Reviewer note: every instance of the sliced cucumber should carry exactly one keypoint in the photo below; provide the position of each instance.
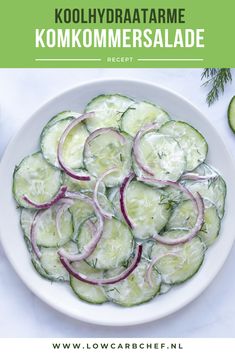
(80, 211)
(112, 193)
(61, 116)
(26, 219)
(140, 114)
(134, 289)
(47, 234)
(144, 207)
(82, 185)
(105, 152)
(206, 170)
(108, 110)
(213, 189)
(184, 216)
(185, 261)
(114, 248)
(38, 267)
(87, 292)
(191, 141)
(50, 261)
(37, 179)
(231, 114)
(211, 227)
(162, 155)
(73, 146)
(105, 203)
(49, 265)
(147, 248)
(165, 288)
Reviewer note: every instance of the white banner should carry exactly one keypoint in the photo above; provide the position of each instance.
(137, 345)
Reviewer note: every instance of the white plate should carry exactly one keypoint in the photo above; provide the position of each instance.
(60, 296)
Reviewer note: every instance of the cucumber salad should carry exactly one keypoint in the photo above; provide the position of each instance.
(118, 202)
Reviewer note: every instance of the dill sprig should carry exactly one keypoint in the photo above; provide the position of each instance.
(216, 79)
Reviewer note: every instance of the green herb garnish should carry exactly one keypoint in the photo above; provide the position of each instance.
(216, 79)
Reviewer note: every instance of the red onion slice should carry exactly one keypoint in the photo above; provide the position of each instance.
(33, 234)
(153, 262)
(72, 125)
(43, 206)
(198, 202)
(101, 131)
(90, 247)
(95, 195)
(194, 176)
(104, 281)
(123, 189)
(136, 145)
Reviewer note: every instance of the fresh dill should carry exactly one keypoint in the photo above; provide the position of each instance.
(216, 79)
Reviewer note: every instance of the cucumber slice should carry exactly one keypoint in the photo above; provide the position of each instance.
(87, 292)
(106, 204)
(49, 265)
(38, 267)
(114, 248)
(80, 211)
(164, 288)
(213, 189)
(211, 227)
(144, 207)
(162, 155)
(26, 219)
(61, 116)
(191, 141)
(177, 269)
(112, 193)
(184, 216)
(134, 289)
(105, 152)
(35, 178)
(231, 114)
(108, 110)
(47, 234)
(206, 169)
(82, 185)
(50, 261)
(140, 114)
(147, 249)
(73, 146)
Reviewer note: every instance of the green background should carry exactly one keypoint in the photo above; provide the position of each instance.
(19, 19)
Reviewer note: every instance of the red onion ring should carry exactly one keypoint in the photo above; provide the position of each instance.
(101, 131)
(194, 176)
(198, 202)
(72, 125)
(136, 143)
(105, 281)
(95, 195)
(33, 234)
(43, 206)
(122, 201)
(90, 247)
(153, 262)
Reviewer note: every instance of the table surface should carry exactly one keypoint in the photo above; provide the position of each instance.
(22, 91)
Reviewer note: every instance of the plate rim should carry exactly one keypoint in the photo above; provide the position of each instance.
(63, 309)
